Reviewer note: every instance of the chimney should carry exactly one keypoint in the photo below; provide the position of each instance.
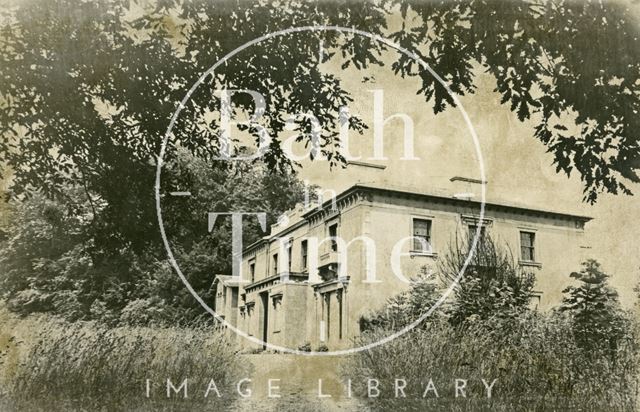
(466, 188)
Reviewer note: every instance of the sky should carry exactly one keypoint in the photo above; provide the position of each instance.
(517, 167)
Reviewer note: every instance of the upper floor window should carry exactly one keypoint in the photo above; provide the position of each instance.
(422, 235)
(303, 254)
(527, 246)
(274, 264)
(333, 234)
(473, 229)
(252, 270)
(289, 257)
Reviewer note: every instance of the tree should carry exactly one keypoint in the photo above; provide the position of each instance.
(50, 263)
(64, 59)
(571, 67)
(598, 320)
(44, 268)
(88, 93)
(88, 88)
(215, 187)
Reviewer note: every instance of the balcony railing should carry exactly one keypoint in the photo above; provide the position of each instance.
(275, 279)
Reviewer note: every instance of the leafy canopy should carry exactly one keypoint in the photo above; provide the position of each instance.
(594, 307)
(88, 87)
(52, 263)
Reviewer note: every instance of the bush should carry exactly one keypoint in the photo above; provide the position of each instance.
(305, 347)
(404, 308)
(537, 363)
(585, 356)
(83, 366)
(493, 284)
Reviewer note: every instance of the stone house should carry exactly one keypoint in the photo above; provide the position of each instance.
(299, 286)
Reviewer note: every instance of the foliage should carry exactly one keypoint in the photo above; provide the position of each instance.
(595, 310)
(571, 67)
(51, 262)
(404, 308)
(583, 356)
(305, 347)
(218, 187)
(534, 357)
(88, 90)
(322, 348)
(88, 87)
(44, 260)
(49, 364)
(493, 283)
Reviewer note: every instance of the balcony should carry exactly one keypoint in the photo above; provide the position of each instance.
(274, 280)
(328, 266)
(328, 258)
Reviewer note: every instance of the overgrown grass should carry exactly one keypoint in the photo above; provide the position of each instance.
(48, 364)
(534, 357)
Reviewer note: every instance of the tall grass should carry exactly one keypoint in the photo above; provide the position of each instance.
(53, 365)
(534, 358)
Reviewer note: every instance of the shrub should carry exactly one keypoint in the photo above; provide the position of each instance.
(493, 284)
(306, 347)
(404, 308)
(585, 356)
(322, 348)
(537, 363)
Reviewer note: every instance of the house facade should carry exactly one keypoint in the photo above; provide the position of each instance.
(321, 269)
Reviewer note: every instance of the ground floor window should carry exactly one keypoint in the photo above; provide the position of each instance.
(327, 322)
(340, 312)
(277, 312)
(250, 308)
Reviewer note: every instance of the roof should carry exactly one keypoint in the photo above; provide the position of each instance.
(441, 197)
(226, 280)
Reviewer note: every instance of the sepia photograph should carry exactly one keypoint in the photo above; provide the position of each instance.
(319, 205)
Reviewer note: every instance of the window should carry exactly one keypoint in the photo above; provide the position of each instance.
(303, 254)
(472, 233)
(250, 308)
(252, 270)
(421, 235)
(527, 246)
(274, 264)
(333, 233)
(277, 303)
(289, 257)
(340, 297)
(327, 300)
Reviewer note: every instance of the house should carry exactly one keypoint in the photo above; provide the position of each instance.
(301, 285)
